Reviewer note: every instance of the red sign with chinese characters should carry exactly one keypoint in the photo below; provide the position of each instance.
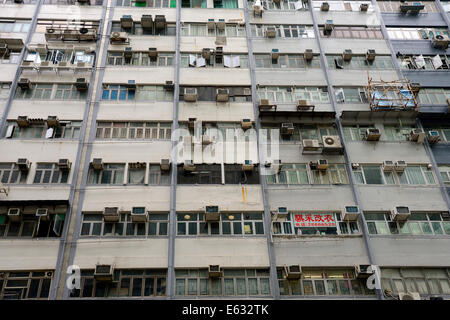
(314, 220)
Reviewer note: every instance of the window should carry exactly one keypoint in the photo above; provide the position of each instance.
(65, 130)
(229, 224)
(291, 95)
(117, 92)
(112, 173)
(134, 130)
(94, 225)
(50, 173)
(351, 95)
(193, 60)
(319, 282)
(302, 174)
(343, 5)
(423, 281)
(415, 33)
(284, 31)
(51, 92)
(226, 4)
(16, 26)
(359, 62)
(126, 283)
(236, 94)
(394, 6)
(321, 224)
(353, 32)
(445, 173)
(292, 61)
(31, 226)
(23, 285)
(356, 132)
(10, 173)
(235, 282)
(433, 96)
(137, 29)
(398, 133)
(147, 3)
(142, 93)
(413, 174)
(417, 224)
(4, 90)
(201, 30)
(437, 62)
(193, 4)
(203, 174)
(282, 5)
(140, 59)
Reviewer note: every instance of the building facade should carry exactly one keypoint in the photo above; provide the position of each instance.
(165, 149)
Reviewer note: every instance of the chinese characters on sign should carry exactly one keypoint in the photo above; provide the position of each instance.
(314, 220)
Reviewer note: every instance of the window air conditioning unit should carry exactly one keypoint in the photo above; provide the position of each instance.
(104, 272)
(414, 7)
(188, 165)
(246, 124)
(325, 6)
(126, 21)
(190, 94)
(409, 296)
(274, 164)
(400, 165)
(400, 214)
(351, 213)
(308, 54)
(322, 164)
(3, 48)
(388, 165)
(153, 52)
(417, 135)
(247, 165)
(364, 6)
(206, 53)
(211, 24)
(274, 54)
(222, 95)
(355, 165)
(214, 271)
(81, 84)
(271, 32)
(128, 54)
(23, 164)
(310, 145)
(64, 164)
(14, 214)
(221, 24)
(24, 84)
(52, 121)
(111, 214)
(97, 163)
(169, 86)
(22, 121)
(287, 128)
(331, 144)
(441, 41)
(264, 104)
(281, 214)
(139, 214)
(433, 136)
(118, 37)
(370, 55)
(293, 272)
(212, 213)
(347, 55)
(42, 213)
(329, 25)
(372, 134)
(160, 22)
(257, 8)
(165, 164)
(363, 271)
(147, 21)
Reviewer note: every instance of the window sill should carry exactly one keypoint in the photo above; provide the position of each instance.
(331, 236)
(410, 236)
